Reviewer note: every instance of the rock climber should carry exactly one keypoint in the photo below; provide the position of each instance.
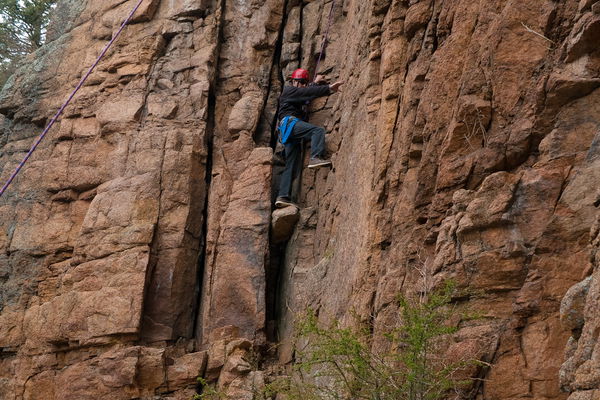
(293, 127)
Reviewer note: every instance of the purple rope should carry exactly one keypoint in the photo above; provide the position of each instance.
(62, 109)
(325, 38)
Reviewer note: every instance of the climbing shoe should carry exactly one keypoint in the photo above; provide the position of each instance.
(316, 162)
(283, 202)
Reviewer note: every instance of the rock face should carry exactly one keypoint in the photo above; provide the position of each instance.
(283, 223)
(462, 149)
(137, 250)
(107, 241)
(579, 373)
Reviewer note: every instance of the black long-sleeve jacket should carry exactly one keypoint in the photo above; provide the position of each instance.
(293, 100)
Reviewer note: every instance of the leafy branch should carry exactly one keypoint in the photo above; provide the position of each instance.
(340, 363)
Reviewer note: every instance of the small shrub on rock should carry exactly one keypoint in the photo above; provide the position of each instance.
(338, 363)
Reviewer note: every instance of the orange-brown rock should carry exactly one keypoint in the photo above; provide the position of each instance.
(461, 147)
(136, 249)
(283, 223)
(579, 313)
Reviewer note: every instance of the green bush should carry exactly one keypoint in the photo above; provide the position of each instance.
(339, 362)
(209, 392)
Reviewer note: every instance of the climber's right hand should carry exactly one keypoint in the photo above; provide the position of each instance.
(334, 87)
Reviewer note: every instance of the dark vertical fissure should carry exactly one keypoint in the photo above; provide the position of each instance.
(275, 258)
(201, 264)
(210, 134)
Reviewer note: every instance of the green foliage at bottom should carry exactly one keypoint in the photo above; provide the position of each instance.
(338, 363)
(209, 392)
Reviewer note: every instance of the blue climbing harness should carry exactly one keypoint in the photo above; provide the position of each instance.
(286, 127)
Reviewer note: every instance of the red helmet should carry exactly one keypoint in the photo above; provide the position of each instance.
(301, 74)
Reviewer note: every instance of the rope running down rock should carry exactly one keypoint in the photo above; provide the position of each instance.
(62, 109)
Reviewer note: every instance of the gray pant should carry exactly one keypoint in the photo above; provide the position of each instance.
(302, 130)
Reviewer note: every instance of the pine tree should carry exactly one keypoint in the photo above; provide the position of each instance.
(22, 30)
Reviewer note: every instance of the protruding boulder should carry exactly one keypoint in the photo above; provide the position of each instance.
(564, 87)
(573, 305)
(585, 37)
(186, 369)
(184, 8)
(146, 11)
(245, 113)
(283, 222)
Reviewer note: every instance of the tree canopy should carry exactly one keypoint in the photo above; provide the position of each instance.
(22, 30)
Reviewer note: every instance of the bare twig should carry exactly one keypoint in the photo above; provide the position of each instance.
(528, 29)
(483, 130)
(475, 129)
(423, 270)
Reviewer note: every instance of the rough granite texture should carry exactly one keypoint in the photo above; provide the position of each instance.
(136, 247)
